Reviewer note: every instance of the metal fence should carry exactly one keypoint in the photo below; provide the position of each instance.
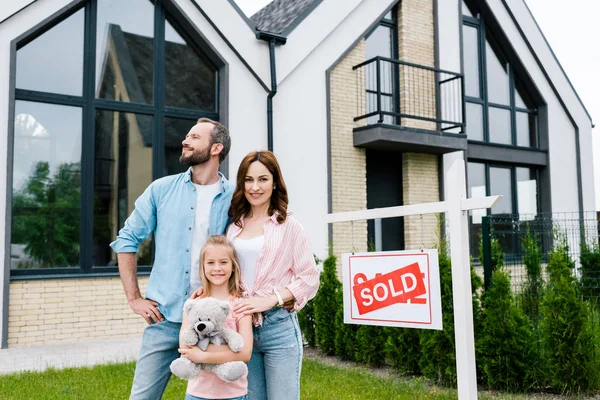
(578, 231)
(396, 92)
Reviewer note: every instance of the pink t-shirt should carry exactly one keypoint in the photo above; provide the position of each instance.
(207, 384)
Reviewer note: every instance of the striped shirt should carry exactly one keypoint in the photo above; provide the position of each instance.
(285, 261)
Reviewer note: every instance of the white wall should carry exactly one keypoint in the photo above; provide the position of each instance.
(300, 107)
(562, 155)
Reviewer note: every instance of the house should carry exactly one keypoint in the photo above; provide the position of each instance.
(366, 103)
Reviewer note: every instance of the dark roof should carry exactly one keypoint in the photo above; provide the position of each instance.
(281, 16)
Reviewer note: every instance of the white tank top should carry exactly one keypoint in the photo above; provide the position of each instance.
(248, 251)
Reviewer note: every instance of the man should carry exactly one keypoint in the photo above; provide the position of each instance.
(181, 211)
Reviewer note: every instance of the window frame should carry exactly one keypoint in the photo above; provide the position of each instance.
(483, 36)
(164, 11)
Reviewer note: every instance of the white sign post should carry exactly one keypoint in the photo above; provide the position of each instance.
(456, 206)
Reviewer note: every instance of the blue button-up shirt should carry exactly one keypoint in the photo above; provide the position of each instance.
(167, 209)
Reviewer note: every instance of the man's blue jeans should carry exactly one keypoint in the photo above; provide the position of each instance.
(274, 368)
(159, 348)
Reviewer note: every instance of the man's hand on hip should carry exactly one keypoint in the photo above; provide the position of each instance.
(148, 309)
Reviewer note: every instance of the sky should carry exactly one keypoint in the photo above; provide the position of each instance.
(573, 31)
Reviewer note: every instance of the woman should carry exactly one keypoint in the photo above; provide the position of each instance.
(277, 268)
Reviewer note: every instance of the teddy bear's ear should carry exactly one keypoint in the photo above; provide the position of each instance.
(187, 307)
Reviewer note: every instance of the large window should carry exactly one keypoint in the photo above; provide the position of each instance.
(498, 107)
(382, 42)
(519, 189)
(104, 95)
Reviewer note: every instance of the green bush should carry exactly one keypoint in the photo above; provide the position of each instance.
(506, 344)
(566, 333)
(532, 290)
(306, 319)
(370, 343)
(403, 349)
(345, 334)
(326, 306)
(438, 360)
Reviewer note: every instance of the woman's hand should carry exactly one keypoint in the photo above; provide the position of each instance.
(197, 293)
(255, 305)
(194, 354)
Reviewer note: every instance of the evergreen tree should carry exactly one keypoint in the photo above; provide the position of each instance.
(345, 334)
(566, 333)
(403, 349)
(506, 343)
(326, 306)
(370, 345)
(532, 292)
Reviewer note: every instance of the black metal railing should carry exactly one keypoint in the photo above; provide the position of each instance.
(402, 93)
(576, 230)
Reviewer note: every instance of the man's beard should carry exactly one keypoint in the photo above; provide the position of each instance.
(196, 158)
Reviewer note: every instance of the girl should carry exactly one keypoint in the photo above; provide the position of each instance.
(278, 268)
(221, 278)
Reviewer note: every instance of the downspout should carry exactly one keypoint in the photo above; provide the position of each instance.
(273, 39)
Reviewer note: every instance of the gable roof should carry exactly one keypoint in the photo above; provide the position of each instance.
(282, 16)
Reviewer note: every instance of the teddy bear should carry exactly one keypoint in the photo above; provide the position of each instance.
(207, 318)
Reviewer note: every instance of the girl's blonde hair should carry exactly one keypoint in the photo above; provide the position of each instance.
(235, 280)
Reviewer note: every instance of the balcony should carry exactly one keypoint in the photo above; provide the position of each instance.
(408, 107)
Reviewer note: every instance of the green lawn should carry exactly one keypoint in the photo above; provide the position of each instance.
(319, 381)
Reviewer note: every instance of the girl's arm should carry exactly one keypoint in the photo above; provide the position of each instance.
(222, 354)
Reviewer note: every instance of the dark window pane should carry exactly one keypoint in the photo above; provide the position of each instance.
(191, 79)
(497, 75)
(175, 131)
(123, 170)
(46, 186)
(526, 129)
(379, 43)
(526, 193)
(474, 121)
(125, 50)
(500, 183)
(53, 62)
(471, 59)
(499, 125)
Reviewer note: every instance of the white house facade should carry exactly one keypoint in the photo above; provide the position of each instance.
(364, 102)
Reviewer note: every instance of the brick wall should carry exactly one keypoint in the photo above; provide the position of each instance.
(416, 45)
(420, 184)
(70, 310)
(348, 163)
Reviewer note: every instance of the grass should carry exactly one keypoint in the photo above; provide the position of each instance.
(319, 381)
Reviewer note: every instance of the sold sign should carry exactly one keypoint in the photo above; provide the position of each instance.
(392, 288)
(398, 286)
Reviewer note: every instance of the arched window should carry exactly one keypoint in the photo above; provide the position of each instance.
(104, 95)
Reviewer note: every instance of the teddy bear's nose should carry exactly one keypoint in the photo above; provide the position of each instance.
(201, 327)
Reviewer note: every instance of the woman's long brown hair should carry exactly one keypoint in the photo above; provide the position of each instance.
(240, 206)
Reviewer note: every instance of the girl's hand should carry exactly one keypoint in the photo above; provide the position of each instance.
(194, 354)
(255, 305)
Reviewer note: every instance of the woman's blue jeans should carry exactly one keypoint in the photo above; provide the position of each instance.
(276, 362)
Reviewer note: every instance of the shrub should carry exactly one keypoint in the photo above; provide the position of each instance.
(370, 342)
(566, 334)
(506, 343)
(403, 349)
(345, 334)
(532, 290)
(438, 360)
(306, 319)
(326, 306)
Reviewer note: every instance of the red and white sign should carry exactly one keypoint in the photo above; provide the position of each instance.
(392, 288)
